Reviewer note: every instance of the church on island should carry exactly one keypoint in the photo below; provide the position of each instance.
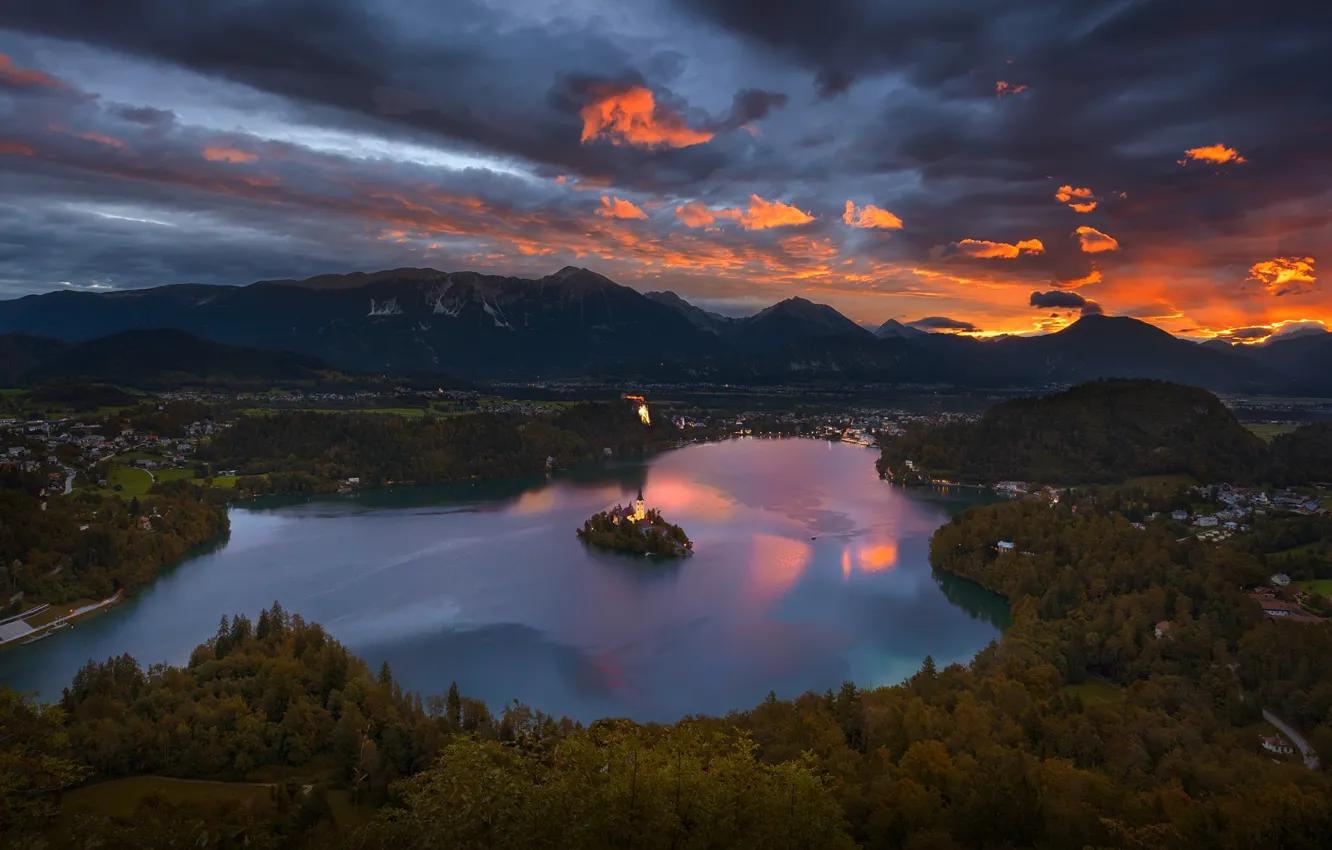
(620, 514)
(635, 529)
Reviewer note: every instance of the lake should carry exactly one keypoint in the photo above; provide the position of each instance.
(808, 571)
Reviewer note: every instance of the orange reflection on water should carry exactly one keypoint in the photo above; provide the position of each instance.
(676, 496)
(878, 557)
(777, 562)
(534, 502)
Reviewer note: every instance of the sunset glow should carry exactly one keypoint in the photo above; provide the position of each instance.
(228, 155)
(1213, 153)
(735, 159)
(633, 117)
(1285, 275)
(870, 216)
(1094, 241)
(988, 250)
(619, 208)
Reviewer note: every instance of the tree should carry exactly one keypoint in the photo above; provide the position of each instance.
(453, 704)
(34, 764)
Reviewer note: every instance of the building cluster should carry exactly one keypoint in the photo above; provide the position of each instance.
(1283, 603)
(59, 448)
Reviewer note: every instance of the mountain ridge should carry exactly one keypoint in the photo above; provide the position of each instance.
(578, 323)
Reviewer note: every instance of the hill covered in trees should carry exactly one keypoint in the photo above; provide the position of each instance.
(1011, 751)
(88, 546)
(1098, 432)
(303, 451)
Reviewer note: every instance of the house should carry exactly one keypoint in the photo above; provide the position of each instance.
(1179, 515)
(1205, 522)
(1279, 745)
(1163, 629)
(1006, 547)
(1280, 579)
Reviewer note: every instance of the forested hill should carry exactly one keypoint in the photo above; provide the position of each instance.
(1098, 432)
(303, 451)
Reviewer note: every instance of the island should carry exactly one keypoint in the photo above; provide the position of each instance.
(637, 530)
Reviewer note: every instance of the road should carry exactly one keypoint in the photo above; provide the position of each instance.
(1310, 758)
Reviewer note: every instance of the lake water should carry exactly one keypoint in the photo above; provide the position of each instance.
(808, 571)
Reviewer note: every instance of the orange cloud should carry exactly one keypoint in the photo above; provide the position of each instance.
(1085, 203)
(103, 140)
(1094, 241)
(619, 208)
(1093, 277)
(228, 155)
(694, 214)
(16, 76)
(1002, 89)
(764, 214)
(870, 216)
(1212, 153)
(633, 117)
(1285, 275)
(15, 149)
(984, 250)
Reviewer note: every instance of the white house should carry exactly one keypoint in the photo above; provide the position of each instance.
(1280, 579)
(1205, 521)
(1006, 547)
(1279, 745)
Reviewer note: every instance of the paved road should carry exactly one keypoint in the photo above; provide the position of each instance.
(1310, 758)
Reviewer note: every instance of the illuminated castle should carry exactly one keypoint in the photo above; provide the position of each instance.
(639, 510)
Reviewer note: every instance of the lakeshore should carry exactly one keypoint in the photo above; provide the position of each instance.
(394, 573)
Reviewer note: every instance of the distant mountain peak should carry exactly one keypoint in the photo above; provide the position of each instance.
(700, 318)
(893, 329)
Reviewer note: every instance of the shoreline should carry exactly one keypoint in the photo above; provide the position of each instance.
(36, 633)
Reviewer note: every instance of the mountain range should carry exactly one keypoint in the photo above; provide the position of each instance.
(576, 323)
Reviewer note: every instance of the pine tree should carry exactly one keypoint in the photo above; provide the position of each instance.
(385, 674)
(453, 704)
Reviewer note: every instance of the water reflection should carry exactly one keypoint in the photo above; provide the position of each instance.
(809, 571)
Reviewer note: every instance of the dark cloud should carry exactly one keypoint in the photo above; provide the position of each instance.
(1058, 299)
(1091, 308)
(145, 115)
(114, 104)
(749, 106)
(832, 81)
(942, 323)
(1248, 334)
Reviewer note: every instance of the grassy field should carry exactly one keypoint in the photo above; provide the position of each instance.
(132, 480)
(1318, 587)
(1268, 430)
(1162, 483)
(1095, 691)
(120, 797)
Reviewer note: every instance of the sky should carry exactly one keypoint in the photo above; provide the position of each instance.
(978, 166)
